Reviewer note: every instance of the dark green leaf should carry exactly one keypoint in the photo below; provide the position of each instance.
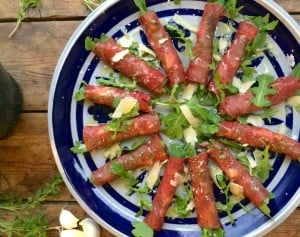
(181, 150)
(141, 4)
(213, 232)
(262, 90)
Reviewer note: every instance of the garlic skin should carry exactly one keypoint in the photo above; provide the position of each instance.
(90, 228)
(72, 233)
(67, 220)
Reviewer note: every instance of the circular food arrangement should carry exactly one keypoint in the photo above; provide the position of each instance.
(180, 118)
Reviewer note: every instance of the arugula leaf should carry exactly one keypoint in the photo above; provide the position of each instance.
(121, 124)
(143, 203)
(263, 167)
(296, 71)
(141, 229)
(181, 150)
(24, 5)
(177, 2)
(175, 32)
(213, 232)
(119, 169)
(120, 81)
(182, 200)
(79, 95)
(89, 42)
(263, 22)
(78, 148)
(262, 90)
(141, 4)
(264, 207)
(174, 123)
(230, 7)
(92, 4)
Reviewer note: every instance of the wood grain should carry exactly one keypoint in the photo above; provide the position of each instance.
(32, 56)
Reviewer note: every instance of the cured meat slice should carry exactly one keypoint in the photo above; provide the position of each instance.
(237, 173)
(207, 214)
(106, 95)
(232, 59)
(97, 137)
(198, 70)
(164, 194)
(145, 155)
(163, 47)
(131, 66)
(260, 138)
(240, 104)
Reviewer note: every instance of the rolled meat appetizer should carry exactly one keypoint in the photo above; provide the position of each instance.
(131, 66)
(164, 194)
(240, 104)
(163, 47)
(97, 137)
(106, 95)
(234, 56)
(237, 173)
(145, 155)
(260, 138)
(207, 214)
(198, 70)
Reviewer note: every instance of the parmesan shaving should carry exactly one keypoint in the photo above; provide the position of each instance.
(178, 179)
(187, 113)
(242, 87)
(154, 174)
(190, 135)
(125, 106)
(189, 91)
(236, 189)
(186, 24)
(120, 55)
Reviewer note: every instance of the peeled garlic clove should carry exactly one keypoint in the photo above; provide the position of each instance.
(90, 228)
(68, 220)
(72, 233)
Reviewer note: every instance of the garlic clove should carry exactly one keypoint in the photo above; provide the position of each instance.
(72, 233)
(90, 228)
(68, 220)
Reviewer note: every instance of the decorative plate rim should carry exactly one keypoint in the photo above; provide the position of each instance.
(269, 5)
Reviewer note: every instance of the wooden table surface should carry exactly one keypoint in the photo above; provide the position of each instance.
(31, 56)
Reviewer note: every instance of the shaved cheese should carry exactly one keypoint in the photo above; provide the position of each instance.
(255, 120)
(178, 179)
(125, 41)
(294, 101)
(161, 41)
(143, 49)
(223, 44)
(186, 24)
(125, 106)
(190, 206)
(154, 174)
(120, 55)
(236, 189)
(189, 91)
(242, 87)
(187, 113)
(214, 171)
(190, 135)
(111, 152)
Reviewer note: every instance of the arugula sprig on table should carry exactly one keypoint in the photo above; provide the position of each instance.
(26, 219)
(24, 5)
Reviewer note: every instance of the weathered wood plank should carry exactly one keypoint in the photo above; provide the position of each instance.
(26, 157)
(31, 57)
(291, 6)
(49, 9)
(71, 8)
(290, 227)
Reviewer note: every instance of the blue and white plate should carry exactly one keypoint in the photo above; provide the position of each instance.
(109, 205)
